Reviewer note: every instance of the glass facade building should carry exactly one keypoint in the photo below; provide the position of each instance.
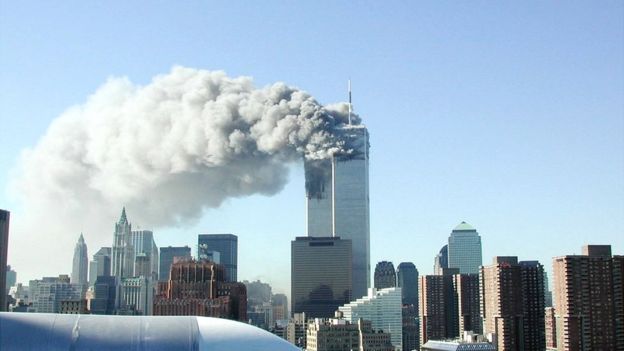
(320, 275)
(338, 202)
(167, 254)
(407, 280)
(227, 247)
(464, 249)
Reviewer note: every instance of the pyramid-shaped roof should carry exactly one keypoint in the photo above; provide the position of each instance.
(464, 226)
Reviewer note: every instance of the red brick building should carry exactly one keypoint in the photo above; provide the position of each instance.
(198, 289)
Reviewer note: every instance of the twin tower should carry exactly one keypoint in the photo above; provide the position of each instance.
(337, 202)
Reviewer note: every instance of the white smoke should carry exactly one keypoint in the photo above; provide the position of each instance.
(185, 142)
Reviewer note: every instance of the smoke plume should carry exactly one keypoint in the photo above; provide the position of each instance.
(186, 141)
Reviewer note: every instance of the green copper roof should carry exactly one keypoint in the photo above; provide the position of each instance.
(464, 226)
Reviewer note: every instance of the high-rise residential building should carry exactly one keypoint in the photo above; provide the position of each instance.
(407, 280)
(512, 303)
(100, 265)
(4, 243)
(550, 328)
(167, 255)
(80, 263)
(122, 261)
(338, 201)
(385, 276)
(341, 335)
(438, 306)
(11, 278)
(589, 306)
(466, 289)
(227, 247)
(46, 294)
(145, 247)
(382, 308)
(464, 249)
(440, 261)
(197, 288)
(320, 275)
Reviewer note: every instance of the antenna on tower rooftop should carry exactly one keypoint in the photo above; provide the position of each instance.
(350, 107)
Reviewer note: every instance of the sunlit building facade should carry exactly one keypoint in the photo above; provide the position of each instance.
(464, 249)
(337, 192)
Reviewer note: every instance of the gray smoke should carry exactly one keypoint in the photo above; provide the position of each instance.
(185, 142)
(168, 150)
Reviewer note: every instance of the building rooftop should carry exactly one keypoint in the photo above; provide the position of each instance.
(463, 226)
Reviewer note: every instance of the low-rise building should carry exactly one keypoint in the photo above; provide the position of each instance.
(341, 335)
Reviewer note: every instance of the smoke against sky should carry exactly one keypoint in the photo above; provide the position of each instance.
(185, 142)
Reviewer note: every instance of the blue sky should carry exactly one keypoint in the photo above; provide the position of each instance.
(507, 115)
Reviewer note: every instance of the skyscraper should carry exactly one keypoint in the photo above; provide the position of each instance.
(227, 247)
(80, 264)
(440, 262)
(167, 255)
(338, 202)
(4, 243)
(466, 288)
(407, 280)
(145, 248)
(589, 306)
(122, 261)
(464, 249)
(438, 306)
(320, 275)
(100, 265)
(385, 276)
(512, 303)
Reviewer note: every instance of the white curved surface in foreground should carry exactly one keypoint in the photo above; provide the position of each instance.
(42, 331)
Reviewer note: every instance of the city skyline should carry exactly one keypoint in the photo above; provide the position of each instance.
(518, 133)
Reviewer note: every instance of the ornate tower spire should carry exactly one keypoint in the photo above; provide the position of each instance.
(123, 218)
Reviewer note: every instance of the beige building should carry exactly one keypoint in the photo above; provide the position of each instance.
(550, 328)
(341, 335)
(589, 308)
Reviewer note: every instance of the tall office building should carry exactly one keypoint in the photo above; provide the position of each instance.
(407, 280)
(122, 262)
(197, 288)
(106, 295)
(438, 307)
(100, 265)
(589, 306)
(167, 256)
(80, 264)
(464, 249)
(338, 202)
(320, 275)
(466, 290)
(440, 262)
(383, 308)
(136, 296)
(385, 276)
(145, 253)
(227, 247)
(4, 243)
(46, 294)
(512, 303)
